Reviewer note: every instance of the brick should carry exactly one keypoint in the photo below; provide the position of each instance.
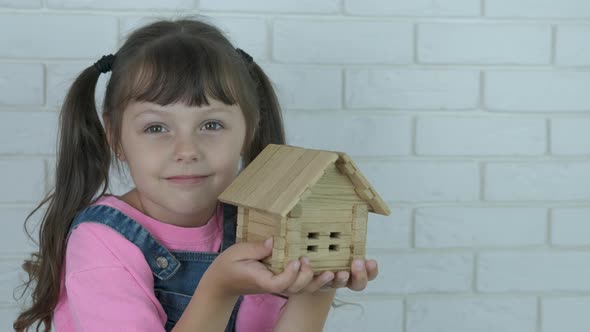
(540, 271)
(342, 42)
(119, 183)
(38, 136)
(472, 314)
(561, 312)
(21, 4)
(21, 84)
(248, 34)
(127, 4)
(284, 6)
(355, 134)
(480, 136)
(545, 91)
(570, 226)
(412, 89)
(23, 180)
(13, 239)
(484, 43)
(60, 77)
(413, 8)
(11, 274)
(571, 48)
(390, 232)
(414, 181)
(452, 227)
(538, 181)
(365, 314)
(538, 8)
(7, 316)
(306, 88)
(413, 273)
(92, 37)
(570, 136)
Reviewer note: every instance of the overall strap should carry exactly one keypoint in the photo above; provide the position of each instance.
(229, 226)
(162, 263)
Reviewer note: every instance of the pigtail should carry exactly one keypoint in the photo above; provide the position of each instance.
(83, 162)
(270, 127)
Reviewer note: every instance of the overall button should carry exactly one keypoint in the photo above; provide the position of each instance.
(162, 262)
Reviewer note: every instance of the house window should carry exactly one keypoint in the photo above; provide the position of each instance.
(334, 247)
(312, 248)
(334, 235)
(314, 235)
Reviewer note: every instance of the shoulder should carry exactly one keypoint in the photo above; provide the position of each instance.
(96, 246)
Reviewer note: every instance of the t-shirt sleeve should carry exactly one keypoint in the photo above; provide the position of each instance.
(109, 299)
(102, 292)
(259, 312)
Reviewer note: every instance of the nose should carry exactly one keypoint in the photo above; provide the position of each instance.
(187, 149)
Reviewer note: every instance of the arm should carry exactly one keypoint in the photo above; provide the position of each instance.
(306, 312)
(208, 310)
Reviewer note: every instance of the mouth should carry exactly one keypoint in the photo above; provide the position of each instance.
(187, 179)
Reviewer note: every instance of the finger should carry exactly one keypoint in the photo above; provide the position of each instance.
(341, 279)
(322, 281)
(281, 282)
(304, 276)
(372, 269)
(359, 278)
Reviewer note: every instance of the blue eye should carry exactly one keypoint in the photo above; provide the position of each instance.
(212, 125)
(155, 129)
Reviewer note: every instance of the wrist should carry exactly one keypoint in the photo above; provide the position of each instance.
(214, 287)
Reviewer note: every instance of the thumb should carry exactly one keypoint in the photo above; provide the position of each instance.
(256, 250)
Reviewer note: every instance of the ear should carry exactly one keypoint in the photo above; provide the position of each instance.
(109, 133)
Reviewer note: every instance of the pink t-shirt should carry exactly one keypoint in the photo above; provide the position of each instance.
(108, 285)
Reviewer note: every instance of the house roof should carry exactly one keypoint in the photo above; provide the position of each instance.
(280, 175)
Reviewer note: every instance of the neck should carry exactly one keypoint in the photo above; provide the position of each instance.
(195, 219)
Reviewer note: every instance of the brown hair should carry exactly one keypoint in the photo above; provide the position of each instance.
(164, 62)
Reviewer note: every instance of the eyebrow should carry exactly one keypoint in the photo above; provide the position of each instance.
(206, 110)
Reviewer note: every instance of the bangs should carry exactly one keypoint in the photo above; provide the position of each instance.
(182, 69)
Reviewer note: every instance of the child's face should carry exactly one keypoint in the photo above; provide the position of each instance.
(162, 143)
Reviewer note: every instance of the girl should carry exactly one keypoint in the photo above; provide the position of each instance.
(183, 109)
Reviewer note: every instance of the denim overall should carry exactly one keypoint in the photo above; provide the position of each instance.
(176, 274)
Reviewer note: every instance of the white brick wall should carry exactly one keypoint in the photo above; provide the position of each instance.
(470, 117)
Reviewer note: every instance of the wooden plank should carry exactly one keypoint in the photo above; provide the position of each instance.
(263, 217)
(282, 160)
(261, 230)
(325, 241)
(346, 168)
(238, 190)
(296, 211)
(281, 188)
(344, 228)
(307, 178)
(335, 266)
(242, 224)
(359, 229)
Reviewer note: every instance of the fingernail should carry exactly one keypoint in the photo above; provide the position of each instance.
(358, 265)
(295, 265)
(305, 260)
(268, 243)
(328, 277)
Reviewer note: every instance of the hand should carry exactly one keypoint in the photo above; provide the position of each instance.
(238, 271)
(306, 282)
(362, 272)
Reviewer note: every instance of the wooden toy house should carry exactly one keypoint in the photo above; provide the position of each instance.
(312, 203)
